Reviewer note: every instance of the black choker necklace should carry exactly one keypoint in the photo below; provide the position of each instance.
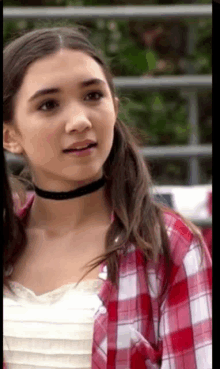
(91, 187)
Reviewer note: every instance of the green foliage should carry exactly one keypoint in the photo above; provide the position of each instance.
(151, 60)
(161, 117)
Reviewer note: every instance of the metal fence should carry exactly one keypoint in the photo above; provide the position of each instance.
(109, 12)
(189, 84)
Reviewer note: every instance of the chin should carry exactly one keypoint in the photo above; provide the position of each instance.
(85, 177)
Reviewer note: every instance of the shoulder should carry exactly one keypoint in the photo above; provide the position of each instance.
(189, 254)
(181, 237)
(186, 249)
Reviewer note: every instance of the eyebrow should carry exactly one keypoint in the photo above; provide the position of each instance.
(46, 91)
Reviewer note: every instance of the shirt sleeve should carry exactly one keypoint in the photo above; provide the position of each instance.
(186, 314)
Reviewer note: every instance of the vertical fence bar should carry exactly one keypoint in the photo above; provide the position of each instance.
(193, 113)
(194, 169)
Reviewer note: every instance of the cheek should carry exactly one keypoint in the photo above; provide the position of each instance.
(39, 136)
(107, 133)
(49, 137)
(40, 146)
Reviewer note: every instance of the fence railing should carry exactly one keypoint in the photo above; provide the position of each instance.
(107, 12)
(188, 84)
(151, 152)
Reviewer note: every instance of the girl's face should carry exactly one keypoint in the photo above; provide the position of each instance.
(60, 104)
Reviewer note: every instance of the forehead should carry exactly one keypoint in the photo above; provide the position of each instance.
(62, 68)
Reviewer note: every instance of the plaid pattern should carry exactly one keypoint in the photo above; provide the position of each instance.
(137, 331)
(133, 329)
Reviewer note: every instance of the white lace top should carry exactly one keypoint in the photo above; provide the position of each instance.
(53, 330)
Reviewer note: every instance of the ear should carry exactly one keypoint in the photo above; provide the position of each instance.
(10, 139)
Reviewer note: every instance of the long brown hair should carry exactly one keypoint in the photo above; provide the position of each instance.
(14, 237)
(138, 218)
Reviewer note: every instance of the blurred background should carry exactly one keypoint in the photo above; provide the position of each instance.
(160, 55)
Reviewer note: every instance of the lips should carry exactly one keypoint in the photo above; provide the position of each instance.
(79, 146)
(83, 149)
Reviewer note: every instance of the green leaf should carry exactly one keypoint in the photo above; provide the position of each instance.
(151, 59)
(134, 59)
(157, 104)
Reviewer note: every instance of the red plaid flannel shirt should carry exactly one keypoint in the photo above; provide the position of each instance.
(132, 329)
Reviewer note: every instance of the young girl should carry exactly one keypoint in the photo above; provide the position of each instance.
(145, 299)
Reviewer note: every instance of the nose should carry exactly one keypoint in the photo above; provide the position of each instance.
(77, 121)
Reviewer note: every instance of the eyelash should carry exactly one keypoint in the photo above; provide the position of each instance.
(101, 95)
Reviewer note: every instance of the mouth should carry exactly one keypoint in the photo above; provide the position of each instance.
(83, 151)
(80, 150)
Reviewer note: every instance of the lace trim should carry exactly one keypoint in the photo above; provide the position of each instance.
(86, 286)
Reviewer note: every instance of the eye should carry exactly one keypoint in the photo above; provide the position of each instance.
(48, 105)
(96, 95)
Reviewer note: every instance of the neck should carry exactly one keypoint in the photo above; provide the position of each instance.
(70, 214)
(66, 195)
